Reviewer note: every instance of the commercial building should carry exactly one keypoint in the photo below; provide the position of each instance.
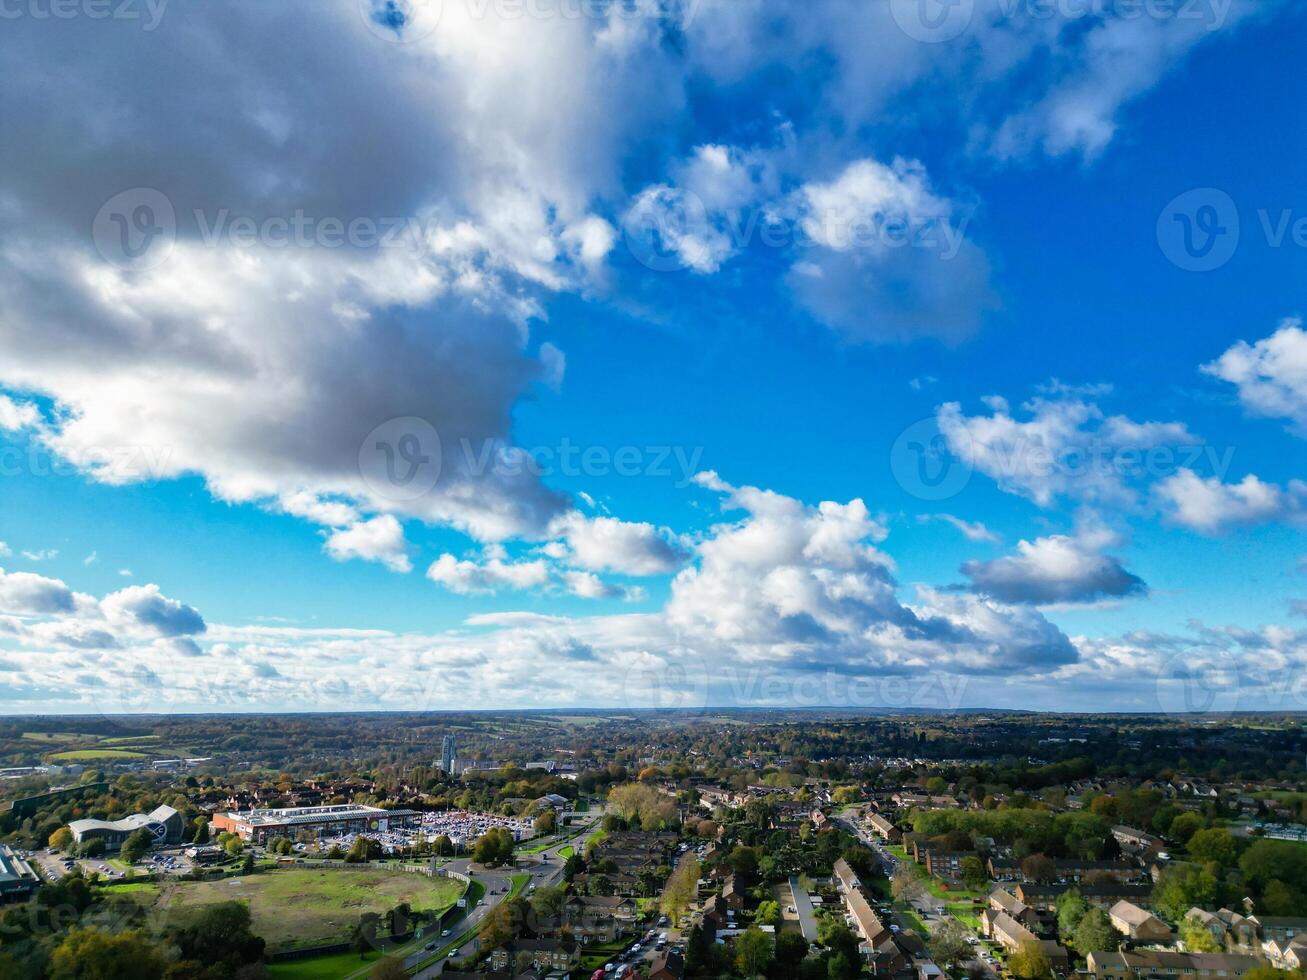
(259, 826)
(18, 881)
(448, 753)
(163, 822)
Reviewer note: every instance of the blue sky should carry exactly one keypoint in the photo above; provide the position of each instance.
(197, 510)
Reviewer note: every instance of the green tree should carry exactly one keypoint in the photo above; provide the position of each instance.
(92, 954)
(494, 847)
(948, 944)
(61, 839)
(768, 913)
(1185, 826)
(1197, 937)
(1030, 962)
(389, 968)
(220, 934)
(1071, 908)
(135, 846)
(201, 835)
(1180, 888)
(546, 823)
(1215, 845)
(754, 951)
(1095, 932)
(680, 889)
(974, 875)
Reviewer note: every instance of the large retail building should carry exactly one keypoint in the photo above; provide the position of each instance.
(259, 826)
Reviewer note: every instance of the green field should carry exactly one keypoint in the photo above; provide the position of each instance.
(322, 967)
(296, 907)
(88, 755)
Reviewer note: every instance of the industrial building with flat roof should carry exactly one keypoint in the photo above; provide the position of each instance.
(18, 880)
(163, 822)
(259, 826)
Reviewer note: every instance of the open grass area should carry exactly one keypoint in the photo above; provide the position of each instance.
(566, 852)
(323, 967)
(295, 907)
(90, 755)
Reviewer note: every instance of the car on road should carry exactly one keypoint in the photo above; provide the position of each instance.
(444, 934)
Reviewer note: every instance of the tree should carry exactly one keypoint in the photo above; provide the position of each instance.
(680, 889)
(234, 846)
(753, 952)
(494, 847)
(768, 913)
(1030, 962)
(1180, 888)
(1185, 826)
(92, 954)
(791, 948)
(546, 823)
(1215, 845)
(389, 968)
(499, 927)
(1197, 938)
(909, 883)
(135, 846)
(364, 849)
(61, 839)
(1039, 867)
(1271, 973)
(948, 944)
(443, 846)
(1094, 932)
(974, 875)
(1071, 908)
(220, 934)
(201, 835)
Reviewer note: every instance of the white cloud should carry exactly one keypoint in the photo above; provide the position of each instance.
(1270, 375)
(971, 530)
(17, 415)
(1211, 506)
(379, 539)
(144, 607)
(42, 554)
(24, 593)
(606, 544)
(472, 578)
(1054, 569)
(1067, 448)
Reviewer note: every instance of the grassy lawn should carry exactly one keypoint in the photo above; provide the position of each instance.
(908, 919)
(323, 967)
(596, 957)
(84, 755)
(295, 907)
(566, 852)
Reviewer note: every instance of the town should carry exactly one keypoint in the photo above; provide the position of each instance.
(733, 844)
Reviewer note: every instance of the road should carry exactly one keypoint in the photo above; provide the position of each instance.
(803, 908)
(545, 868)
(924, 905)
